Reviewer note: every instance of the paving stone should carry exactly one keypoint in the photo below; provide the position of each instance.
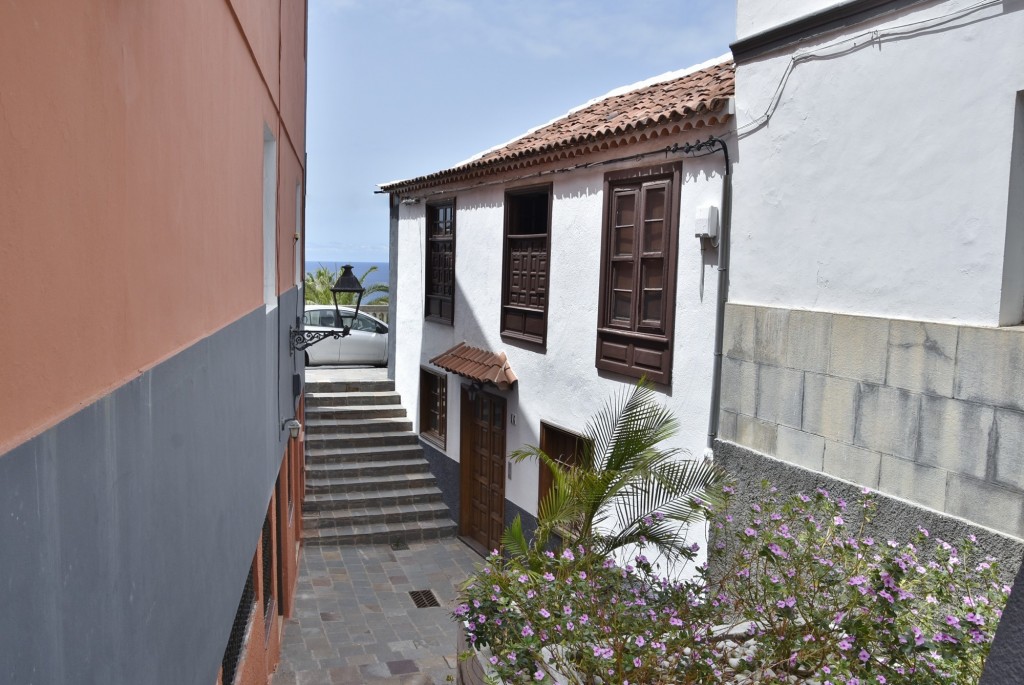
(756, 434)
(350, 618)
(738, 334)
(990, 367)
(922, 357)
(887, 420)
(739, 386)
(955, 435)
(779, 395)
(1008, 457)
(829, 406)
(858, 348)
(1003, 510)
(925, 485)
(771, 326)
(727, 425)
(803, 449)
(852, 463)
(808, 339)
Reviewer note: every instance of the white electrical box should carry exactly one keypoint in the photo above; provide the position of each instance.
(706, 224)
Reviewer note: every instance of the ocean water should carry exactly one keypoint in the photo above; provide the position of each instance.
(358, 268)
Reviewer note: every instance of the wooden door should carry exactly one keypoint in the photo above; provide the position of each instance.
(562, 446)
(482, 459)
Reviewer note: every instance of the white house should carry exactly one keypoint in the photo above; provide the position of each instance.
(877, 274)
(545, 275)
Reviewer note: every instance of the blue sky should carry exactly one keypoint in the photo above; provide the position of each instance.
(400, 88)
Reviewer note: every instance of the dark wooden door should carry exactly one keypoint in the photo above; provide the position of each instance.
(562, 446)
(483, 471)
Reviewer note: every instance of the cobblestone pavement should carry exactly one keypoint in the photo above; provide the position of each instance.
(355, 621)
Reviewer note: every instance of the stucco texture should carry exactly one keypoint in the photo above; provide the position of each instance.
(558, 383)
(132, 183)
(858, 196)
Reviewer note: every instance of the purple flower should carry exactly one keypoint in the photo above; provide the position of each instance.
(787, 603)
(640, 641)
(750, 532)
(545, 613)
(567, 554)
(538, 675)
(527, 631)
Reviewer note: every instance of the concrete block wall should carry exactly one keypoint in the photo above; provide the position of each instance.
(930, 413)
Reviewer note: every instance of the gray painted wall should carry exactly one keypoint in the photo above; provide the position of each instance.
(128, 528)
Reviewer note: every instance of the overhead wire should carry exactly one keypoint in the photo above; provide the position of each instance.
(855, 42)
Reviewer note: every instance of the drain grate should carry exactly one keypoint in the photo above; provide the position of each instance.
(424, 598)
(399, 545)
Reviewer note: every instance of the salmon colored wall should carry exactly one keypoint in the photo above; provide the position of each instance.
(293, 63)
(131, 139)
(261, 22)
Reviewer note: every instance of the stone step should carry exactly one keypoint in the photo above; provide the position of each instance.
(352, 426)
(366, 499)
(349, 399)
(359, 455)
(380, 533)
(316, 484)
(359, 411)
(361, 440)
(392, 513)
(353, 386)
(378, 468)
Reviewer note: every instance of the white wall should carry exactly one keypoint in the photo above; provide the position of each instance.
(880, 185)
(561, 386)
(755, 16)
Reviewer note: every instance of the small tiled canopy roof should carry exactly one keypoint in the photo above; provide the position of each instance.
(478, 365)
(690, 101)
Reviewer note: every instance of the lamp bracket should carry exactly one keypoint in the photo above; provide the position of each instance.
(299, 339)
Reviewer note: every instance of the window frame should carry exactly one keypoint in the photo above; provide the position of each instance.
(641, 347)
(512, 195)
(429, 288)
(440, 439)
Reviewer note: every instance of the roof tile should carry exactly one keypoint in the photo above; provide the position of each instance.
(478, 365)
(690, 101)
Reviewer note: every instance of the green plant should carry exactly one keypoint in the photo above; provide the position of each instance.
(624, 488)
(583, 618)
(824, 600)
(800, 594)
(318, 288)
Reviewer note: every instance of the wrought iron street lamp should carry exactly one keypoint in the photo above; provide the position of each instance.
(346, 283)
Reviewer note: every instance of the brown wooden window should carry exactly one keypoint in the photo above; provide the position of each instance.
(638, 266)
(525, 277)
(440, 271)
(434, 407)
(561, 445)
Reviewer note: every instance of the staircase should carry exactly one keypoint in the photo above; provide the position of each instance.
(366, 479)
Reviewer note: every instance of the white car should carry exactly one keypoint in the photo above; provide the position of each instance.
(366, 343)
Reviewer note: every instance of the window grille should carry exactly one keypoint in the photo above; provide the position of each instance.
(236, 641)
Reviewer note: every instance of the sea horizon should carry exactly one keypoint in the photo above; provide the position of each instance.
(358, 268)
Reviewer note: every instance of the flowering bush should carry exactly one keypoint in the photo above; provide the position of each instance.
(583, 617)
(825, 601)
(799, 594)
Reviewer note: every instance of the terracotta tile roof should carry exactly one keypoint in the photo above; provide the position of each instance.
(690, 101)
(478, 365)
